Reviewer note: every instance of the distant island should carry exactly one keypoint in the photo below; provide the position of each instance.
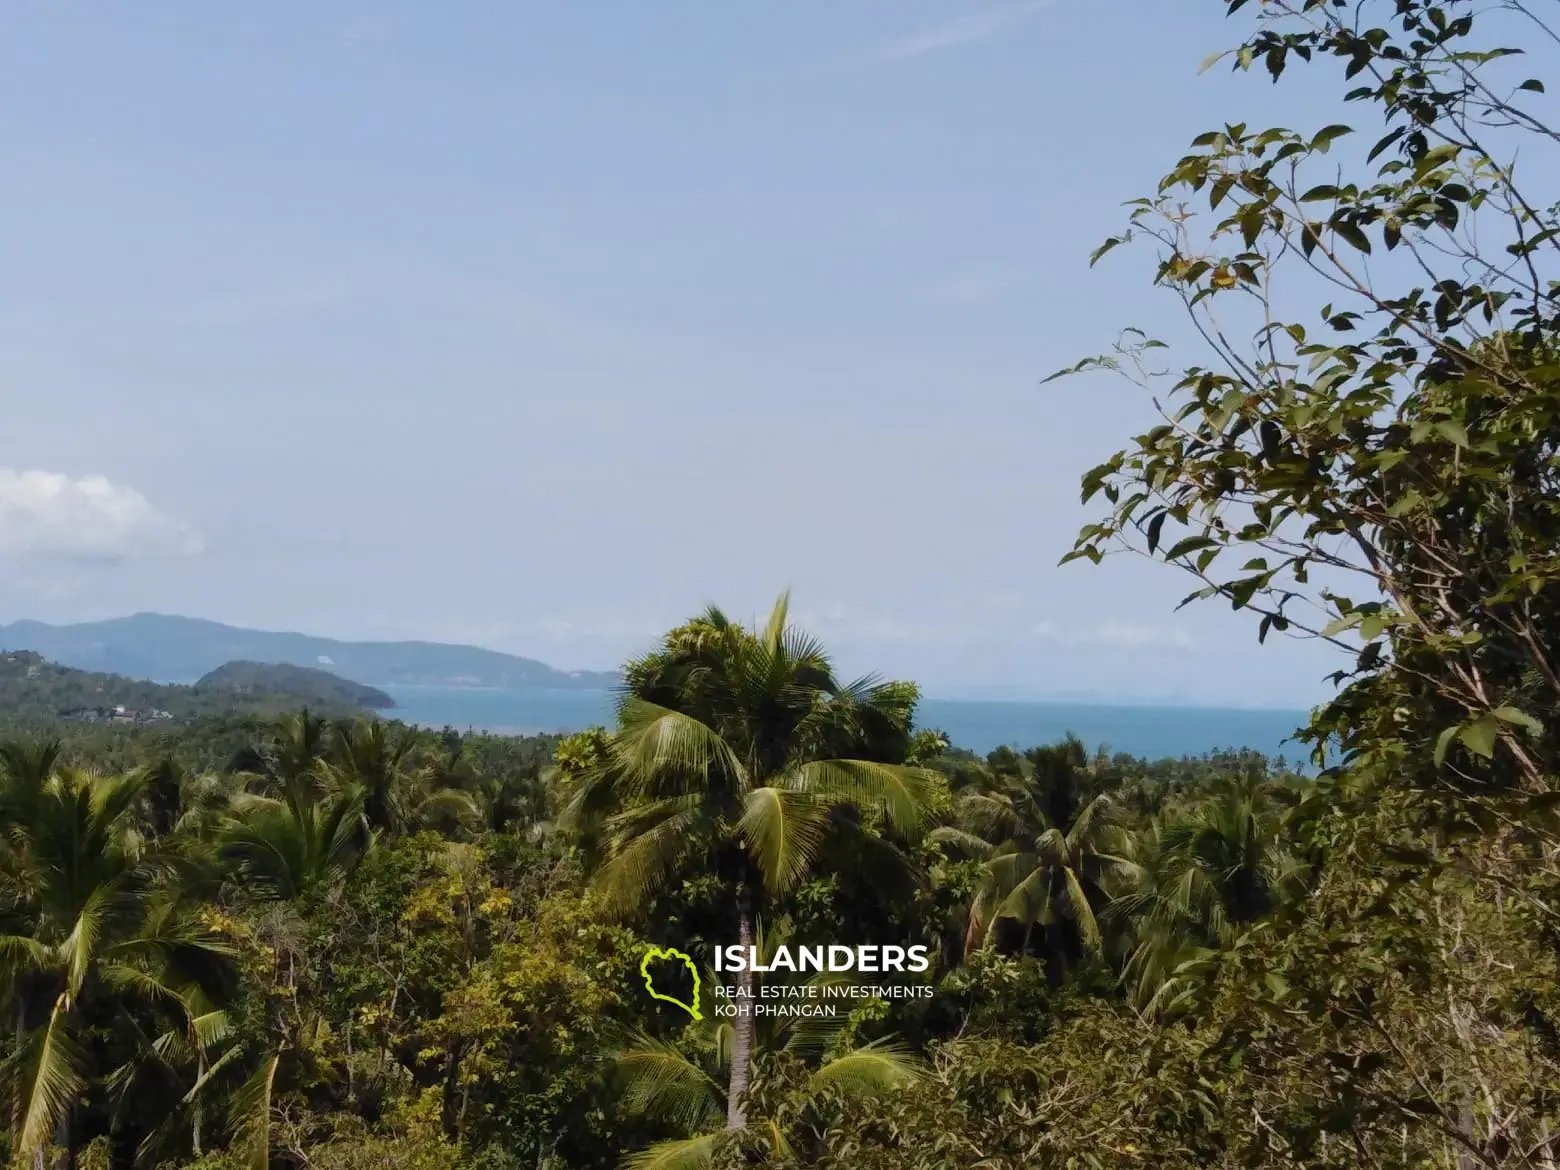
(34, 690)
(305, 682)
(182, 649)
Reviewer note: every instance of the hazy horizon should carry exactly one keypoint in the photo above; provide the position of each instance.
(974, 693)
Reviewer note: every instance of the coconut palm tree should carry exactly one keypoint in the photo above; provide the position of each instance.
(288, 758)
(91, 927)
(379, 763)
(679, 1085)
(283, 848)
(1049, 859)
(739, 752)
(1206, 871)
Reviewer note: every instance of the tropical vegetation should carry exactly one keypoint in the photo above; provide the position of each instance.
(344, 942)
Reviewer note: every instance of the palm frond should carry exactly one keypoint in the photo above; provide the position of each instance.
(961, 841)
(646, 847)
(662, 1084)
(448, 806)
(20, 953)
(249, 1114)
(779, 618)
(988, 814)
(873, 1068)
(696, 1153)
(784, 831)
(1027, 900)
(205, 1078)
(79, 948)
(902, 794)
(660, 752)
(1082, 911)
(133, 982)
(54, 1079)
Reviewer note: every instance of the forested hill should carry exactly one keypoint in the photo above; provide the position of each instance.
(149, 645)
(251, 678)
(34, 690)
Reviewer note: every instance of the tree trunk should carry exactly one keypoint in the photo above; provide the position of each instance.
(65, 1138)
(21, 1039)
(198, 1109)
(742, 1041)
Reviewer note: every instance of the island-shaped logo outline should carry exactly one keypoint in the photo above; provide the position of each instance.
(655, 953)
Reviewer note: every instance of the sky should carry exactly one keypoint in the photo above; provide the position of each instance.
(540, 326)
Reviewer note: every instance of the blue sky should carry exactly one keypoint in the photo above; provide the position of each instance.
(540, 325)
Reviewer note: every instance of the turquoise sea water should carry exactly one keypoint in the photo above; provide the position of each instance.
(1152, 732)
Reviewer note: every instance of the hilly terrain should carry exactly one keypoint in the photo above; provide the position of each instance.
(182, 649)
(34, 690)
(317, 686)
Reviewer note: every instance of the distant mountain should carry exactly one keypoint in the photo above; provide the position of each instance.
(248, 678)
(181, 649)
(34, 690)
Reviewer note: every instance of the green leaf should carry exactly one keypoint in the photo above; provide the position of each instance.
(52, 1079)
(1479, 736)
(1154, 527)
(1339, 624)
(1327, 135)
(1519, 718)
(249, 1114)
(1350, 231)
(696, 1153)
(1453, 431)
(1443, 742)
(1095, 255)
(784, 832)
(660, 1083)
(1187, 545)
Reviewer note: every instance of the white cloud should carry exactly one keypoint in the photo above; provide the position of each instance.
(966, 30)
(46, 514)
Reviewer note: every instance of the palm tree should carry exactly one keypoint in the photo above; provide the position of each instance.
(288, 758)
(89, 927)
(286, 848)
(1206, 871)
(513, 800)
(379, 763)
(663, 1083)
(1047, 862)
(736, 752)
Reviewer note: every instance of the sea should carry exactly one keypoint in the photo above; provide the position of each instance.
(1151, 732)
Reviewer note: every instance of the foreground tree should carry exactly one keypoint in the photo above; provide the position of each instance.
(1390, 467)
(92, 933)
(739, 753)
(665, 1083)
(1386, 476)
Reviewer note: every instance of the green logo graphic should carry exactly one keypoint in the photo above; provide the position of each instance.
(670, 953)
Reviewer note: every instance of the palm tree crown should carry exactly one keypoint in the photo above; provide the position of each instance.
(738, 751)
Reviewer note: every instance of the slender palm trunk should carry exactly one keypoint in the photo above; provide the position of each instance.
(742, 1041)
(21, 1039)
(65, 1138)
(198, 1109)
